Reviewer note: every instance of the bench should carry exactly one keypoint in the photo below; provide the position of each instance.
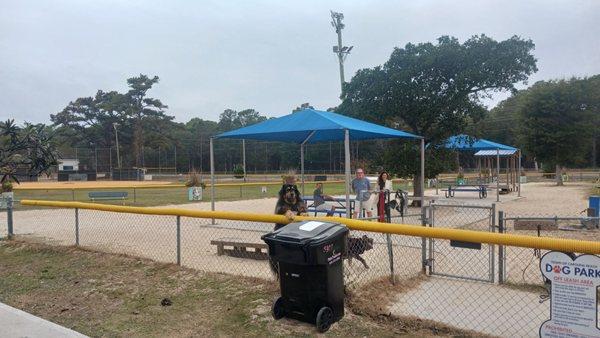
(314, 210)
(107, 195)
(451, 191)
(236, 247)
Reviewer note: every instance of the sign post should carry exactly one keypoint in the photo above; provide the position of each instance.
(573, 298)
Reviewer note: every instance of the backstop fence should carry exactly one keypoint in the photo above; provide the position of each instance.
(446, 268)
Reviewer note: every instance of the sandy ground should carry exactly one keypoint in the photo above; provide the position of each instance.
(155, 237)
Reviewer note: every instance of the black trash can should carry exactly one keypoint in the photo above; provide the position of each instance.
(309, 259)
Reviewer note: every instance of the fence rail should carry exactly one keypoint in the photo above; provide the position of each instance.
(453, 282)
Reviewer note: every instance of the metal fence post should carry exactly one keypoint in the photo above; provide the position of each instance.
(501, 249)
(134, 195)
(493, 247)
(77, 226)
(423, 239)
(9, 216)
(178, 240)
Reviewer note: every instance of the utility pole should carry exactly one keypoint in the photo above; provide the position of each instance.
(115, 124)
(341, 51)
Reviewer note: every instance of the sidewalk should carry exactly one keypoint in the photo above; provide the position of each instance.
(16, 323)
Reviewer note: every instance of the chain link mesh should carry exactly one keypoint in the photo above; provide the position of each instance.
(473, 290)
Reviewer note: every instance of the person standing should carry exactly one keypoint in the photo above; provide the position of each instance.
(384, 183)
(362, 187)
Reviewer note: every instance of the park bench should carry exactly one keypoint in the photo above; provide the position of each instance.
(451, 191)
(107, 195)
(236, 247)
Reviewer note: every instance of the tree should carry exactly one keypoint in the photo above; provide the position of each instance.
(436, 91)
(28, 148)
(144, 112)
(559, 119)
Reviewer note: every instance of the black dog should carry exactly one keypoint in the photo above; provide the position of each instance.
(400, 202)
(357, 246)
(289, 204)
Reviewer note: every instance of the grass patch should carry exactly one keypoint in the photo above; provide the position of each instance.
(101, 294)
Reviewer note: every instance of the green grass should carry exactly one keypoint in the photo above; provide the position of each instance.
(101, 294)
(174, 195)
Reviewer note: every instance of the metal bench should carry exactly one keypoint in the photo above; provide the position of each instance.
(236, 247)
(451, 191)
(107, 195)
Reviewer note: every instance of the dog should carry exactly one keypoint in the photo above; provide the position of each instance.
(357, 246)
(289, 204)
(399, 203)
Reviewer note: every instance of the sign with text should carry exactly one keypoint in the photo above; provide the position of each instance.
(573, 297)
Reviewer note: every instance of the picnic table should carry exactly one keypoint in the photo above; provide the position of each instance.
(338, 201)
(451, 191)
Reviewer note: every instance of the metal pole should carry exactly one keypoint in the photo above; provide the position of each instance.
(96, 156)
(77, 226)
(302, 167)
(422, 174)
(178, 240)
(498, 175)
(73, 194)
(134, 195)
(244, 158)
(9, 216)
(500, 249)
(347, 170)
(519, 173)
(492, 247)
(117, 141)
(212, 178)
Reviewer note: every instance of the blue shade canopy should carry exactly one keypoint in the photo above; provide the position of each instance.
(314, 126)
(467, 143)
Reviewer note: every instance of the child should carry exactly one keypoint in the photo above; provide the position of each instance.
(320, 200)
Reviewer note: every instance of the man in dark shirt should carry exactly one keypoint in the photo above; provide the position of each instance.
(320, 200)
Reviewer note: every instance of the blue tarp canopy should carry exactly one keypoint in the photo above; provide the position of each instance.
(313, 126)
(467, 143)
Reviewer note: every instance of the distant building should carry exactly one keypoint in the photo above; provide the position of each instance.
(68, 164)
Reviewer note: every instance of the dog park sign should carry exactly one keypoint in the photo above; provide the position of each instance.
(573, 297)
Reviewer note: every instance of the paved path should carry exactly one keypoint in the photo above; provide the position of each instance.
(16, 323)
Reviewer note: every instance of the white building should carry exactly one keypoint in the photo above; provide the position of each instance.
(68, 164)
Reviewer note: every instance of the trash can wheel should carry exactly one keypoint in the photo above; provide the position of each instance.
(324, 319)
(277, 309)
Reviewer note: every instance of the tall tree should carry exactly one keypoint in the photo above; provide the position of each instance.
(144, 111)
(559, 119)
(436, 90)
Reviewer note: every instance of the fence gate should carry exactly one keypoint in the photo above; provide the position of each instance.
(464, 260)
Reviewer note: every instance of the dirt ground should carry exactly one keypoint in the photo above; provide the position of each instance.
(104, 295)
(154, 237)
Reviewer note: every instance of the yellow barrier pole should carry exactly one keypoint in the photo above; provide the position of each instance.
(544, 243)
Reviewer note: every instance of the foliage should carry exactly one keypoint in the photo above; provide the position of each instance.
(7, 186)
(27, 148)
(559, 119)
(436, 91)
(238, 171)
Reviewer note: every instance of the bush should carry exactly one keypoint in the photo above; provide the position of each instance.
(7, 186)
(238, 171)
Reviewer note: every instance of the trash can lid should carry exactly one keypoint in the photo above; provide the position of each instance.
(307, 232)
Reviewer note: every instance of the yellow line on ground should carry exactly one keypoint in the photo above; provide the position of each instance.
(544, 243)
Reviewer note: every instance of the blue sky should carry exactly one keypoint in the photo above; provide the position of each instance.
(267, 55)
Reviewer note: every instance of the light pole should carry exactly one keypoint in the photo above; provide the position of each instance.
(341, 51)
(115, 124)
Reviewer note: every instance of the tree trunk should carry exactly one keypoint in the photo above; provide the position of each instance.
(559, 180)
(417, 190)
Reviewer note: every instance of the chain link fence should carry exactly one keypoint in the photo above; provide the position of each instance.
(471, 288)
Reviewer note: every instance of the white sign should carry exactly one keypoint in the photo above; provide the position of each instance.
(310, 226)
(573, 303)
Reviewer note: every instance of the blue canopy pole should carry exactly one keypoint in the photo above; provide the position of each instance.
(519, 173)
(347, 167)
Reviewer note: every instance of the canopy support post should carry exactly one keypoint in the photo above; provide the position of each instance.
(347, 170)
(519, 173)
(498, 175)
(212, 178)
(302, 158)
(422, 175)
(244, 158)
